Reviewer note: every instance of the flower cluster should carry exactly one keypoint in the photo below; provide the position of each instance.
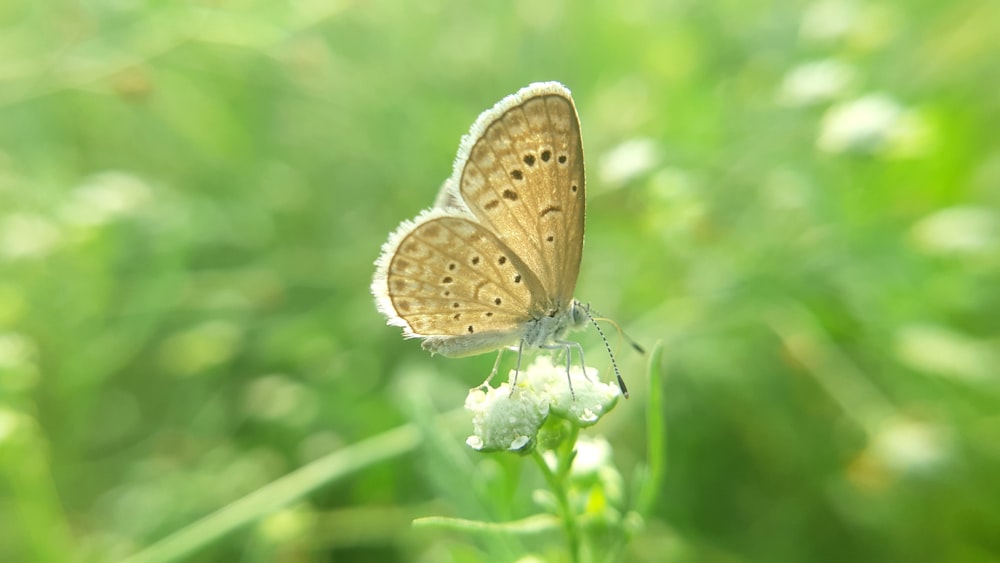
(506, 419)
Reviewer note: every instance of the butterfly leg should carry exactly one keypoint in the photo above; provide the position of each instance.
(496, 365)
(517, 370)
(568, 348)
(567, 344)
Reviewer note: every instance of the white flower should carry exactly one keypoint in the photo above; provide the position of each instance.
(947, 353)
(862, 25)
(829, 20)
(874, 124)
(104, 197)
(503, 420)
(912, 446)
(592, 454)
(25, 235)
(962, 230)
(588, 400)
(815, 82)
(11, 422)
(628, 160)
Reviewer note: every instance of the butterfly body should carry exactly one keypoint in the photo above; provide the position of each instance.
(494, 263)
(536, 332)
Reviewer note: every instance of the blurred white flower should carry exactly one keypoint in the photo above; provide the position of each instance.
(962, 230)
(911, 446)
(26, 235)
(829, 19)
(18, 362)
(862, 25)
(863, 123)
(592, 453)
(201, 347)
(278, 398)
(16, 350)
(593, 464)
(105, 197)
(628, 160)
(11, 421)
(815, 82)
(947, 353)
(876, 124)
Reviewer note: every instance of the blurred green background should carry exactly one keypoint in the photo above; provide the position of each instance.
(799, 200)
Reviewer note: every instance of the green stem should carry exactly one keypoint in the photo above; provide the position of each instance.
(557, 481)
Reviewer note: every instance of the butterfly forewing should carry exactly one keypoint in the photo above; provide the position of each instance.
(451, 277)
(524, 180)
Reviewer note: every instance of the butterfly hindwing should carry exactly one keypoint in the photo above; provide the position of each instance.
(448, 276)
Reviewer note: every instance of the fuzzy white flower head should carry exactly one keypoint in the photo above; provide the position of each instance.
(829, 20)
(958, 231)
(912, 446)
(27, 235)
(815, 82)
(503, 420)
(104, 197)
(863, 124)
(585, 403)
(875, 124)
(592, 454)
(628, 161)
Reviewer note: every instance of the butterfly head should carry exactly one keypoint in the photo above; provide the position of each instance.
(579, 314)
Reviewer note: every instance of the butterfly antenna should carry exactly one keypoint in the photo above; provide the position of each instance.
(621, 332)
(607, 345)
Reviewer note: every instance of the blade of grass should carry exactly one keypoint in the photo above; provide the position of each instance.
(280, 493)
(655, 436)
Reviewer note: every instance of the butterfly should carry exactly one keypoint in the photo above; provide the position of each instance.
(493, 264)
